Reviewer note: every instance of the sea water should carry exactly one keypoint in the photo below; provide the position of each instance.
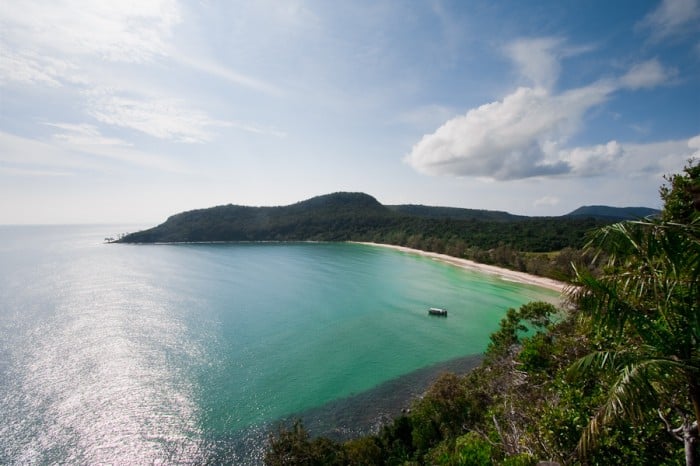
(188, 353)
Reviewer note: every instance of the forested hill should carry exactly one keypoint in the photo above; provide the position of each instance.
(332, 217)
(454, 213)
(614, 213)
(360, 217)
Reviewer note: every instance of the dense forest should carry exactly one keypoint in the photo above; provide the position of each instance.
(539, 245)
(612, 378)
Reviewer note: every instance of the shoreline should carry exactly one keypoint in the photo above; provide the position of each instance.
(350, 417)
(503, 273)
(366, 412)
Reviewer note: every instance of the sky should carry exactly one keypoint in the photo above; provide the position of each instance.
(131, 111)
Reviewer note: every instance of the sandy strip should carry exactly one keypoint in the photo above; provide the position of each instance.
(505, 274)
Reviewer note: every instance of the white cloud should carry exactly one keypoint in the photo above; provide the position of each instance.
(537, 59)
(13, 171)
(641, 128)
(593, 160)
(510, 139)
(215, 69)
(694, 145)
(525, 134)
(646, 75)
(266, 131)
(631, 160)
(35, 155)
(546, 201)
(63, 42)
(128, 155)
(658, 158)
(68, 42)
(25, 69)
(160, 118)
(672, 18)
(129, 31)
(88, 140)
(84, 135)
(164, 118)
(77, 148)
(507, 158)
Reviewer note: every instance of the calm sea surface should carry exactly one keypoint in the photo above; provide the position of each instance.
(139, 354)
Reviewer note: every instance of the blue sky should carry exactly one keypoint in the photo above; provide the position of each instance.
(132, 111)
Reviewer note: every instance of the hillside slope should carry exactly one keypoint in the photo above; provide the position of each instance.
(456, 213)
(347, 216)
(329, 218)
(613, 213)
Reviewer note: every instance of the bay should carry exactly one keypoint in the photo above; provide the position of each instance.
(187, 353)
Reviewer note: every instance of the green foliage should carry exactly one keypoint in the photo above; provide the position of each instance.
(453, 213)
(442, 412)
(682, 196)
(484, 236)
(472, 450)
(363, 451)
(466, 450)
(535, 317)
(294, 447)
(536, 352)
(616, 213)
(646, 308)
(649, 296)
(396, 440)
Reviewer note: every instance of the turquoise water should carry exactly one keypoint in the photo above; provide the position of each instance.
(165, 353)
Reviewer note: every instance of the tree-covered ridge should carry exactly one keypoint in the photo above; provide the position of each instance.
(543, 246)
(360, 217)
(333, 217)
(616, 213)
(454, 213)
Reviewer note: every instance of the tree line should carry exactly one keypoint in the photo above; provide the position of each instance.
(540, 245)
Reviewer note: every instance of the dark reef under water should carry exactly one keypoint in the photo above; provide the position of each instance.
(356, 415)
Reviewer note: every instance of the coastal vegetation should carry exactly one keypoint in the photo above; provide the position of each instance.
(539, 245)
(613, 378)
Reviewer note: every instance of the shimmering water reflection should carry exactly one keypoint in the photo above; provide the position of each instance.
(185, 353)
(95, 368)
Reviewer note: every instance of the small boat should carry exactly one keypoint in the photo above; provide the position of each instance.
(437, 311)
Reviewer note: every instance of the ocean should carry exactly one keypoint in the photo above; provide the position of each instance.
(191, 353)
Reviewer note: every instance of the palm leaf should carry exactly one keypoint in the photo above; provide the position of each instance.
(634, 394)
(649, 293)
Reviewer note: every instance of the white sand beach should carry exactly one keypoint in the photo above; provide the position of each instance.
(505, 274)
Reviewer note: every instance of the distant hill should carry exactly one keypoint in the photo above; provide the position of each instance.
(345, 216)
(614, 213)
(329, 218)
(455, 213)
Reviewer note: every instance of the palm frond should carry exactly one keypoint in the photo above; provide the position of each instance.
(636, 392)
(596, 360)
(631, 397)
